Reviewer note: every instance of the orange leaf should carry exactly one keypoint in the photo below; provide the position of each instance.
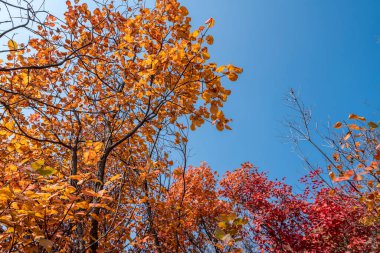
(338, 125)
(347, 136)
(210, 22)
(354, 116)
(332, 175)
(377, 156)
(372, 124)
(349, 173)
(210, 39)
(340, 179)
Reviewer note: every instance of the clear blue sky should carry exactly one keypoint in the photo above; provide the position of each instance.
(327, 50)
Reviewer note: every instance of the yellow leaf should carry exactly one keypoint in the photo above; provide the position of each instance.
(89, 156)
(12, 167)
(220, 115)
(37, 164)
(9, 230)
(115, 177)
(40, 162)
(222, 224)
(25, 78)
(5, 192)
(98, 146)
(9, 125)
(12, 45)
(24, 161)
(46, 171)
(206, 55)
(195, 34)
(220, 69)
(7, 220)
(128, 38)
(23, 142)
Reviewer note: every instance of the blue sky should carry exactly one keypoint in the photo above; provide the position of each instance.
(327, 50)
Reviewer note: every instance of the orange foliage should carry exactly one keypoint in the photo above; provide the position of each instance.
(356, 162)
(89, 106)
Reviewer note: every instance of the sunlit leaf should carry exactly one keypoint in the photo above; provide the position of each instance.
(338, 125)
(12, 45)
(210, 22)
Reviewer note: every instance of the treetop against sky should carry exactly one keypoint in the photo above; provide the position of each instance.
(109, 108)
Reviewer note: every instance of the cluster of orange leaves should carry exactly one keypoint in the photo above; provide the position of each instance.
(89, 106)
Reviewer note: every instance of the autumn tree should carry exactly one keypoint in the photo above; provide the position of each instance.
(91, 106)
(186, 215)
(350, 151)
(320, 219)
(338, 210)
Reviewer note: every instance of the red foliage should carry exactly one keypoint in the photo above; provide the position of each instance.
(318, 220)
